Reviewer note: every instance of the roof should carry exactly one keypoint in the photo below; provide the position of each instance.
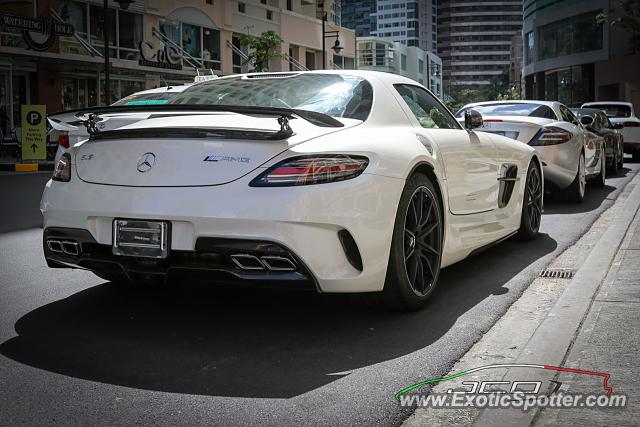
(627, 104)
(365, 74)
(518, 101)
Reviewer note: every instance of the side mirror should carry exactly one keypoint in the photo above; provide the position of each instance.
(617, 125)
(586, 120)
(472, 119)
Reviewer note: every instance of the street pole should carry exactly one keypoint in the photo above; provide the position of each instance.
(107, 89)
(324, 48)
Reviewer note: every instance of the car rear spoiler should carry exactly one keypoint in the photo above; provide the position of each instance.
(89, 117)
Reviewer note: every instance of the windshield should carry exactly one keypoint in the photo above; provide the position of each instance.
(515, 109)
(147, 99)
(612, 110)
(335, 95)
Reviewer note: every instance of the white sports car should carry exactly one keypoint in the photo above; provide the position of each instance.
(348, 181)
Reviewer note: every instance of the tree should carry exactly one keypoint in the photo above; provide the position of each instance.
(262, 49)
(628, 18)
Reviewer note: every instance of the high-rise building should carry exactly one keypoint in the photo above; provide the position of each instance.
(360, 15)
(474, 39)
(572, 56)
(411, 23)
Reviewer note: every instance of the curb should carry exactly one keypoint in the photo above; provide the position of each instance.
(554, 337)
(26, 167)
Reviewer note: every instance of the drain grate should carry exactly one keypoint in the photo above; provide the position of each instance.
(557, 273)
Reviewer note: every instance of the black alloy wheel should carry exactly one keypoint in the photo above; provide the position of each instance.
(532, 204)
(416, 246)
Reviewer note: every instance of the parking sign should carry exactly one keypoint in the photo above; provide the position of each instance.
(34, 132)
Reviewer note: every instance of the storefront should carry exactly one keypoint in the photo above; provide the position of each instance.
(65, 70)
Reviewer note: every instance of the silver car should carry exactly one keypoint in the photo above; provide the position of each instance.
(570, 155)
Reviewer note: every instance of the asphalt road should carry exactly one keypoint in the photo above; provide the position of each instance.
(74, 349)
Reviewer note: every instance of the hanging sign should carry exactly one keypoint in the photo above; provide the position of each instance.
(38, 33)
(166, 57)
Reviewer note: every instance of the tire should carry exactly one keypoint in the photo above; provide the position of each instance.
(531, 204)
(636, 156)
(620, 159)
(575, 192)
(418, 230)
(600, 180)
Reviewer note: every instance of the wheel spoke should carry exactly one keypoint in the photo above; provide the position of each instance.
(428, 248)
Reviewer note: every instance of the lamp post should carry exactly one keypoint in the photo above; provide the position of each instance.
(124, 5)
(336, 46)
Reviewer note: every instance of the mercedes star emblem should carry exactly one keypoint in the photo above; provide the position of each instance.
(146, 162)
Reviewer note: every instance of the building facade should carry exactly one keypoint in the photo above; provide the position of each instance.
(379, 54)
(361, 16)
(573, 56)
(411, 23)
(475, 38)
(51, 51)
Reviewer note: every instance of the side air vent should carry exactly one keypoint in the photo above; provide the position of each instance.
(350, 249)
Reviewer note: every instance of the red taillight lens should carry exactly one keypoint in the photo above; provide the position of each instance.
(311, 170)
(63, 140)
(551, 136)
(631, 124)
(62, 172)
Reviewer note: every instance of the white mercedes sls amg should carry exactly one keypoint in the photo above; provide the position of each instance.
(348, 181)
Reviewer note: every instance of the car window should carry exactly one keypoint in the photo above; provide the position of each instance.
(336, 95)
(146, 99)
(613, 110)
(568, 116)
(427, 109)
(526, 109)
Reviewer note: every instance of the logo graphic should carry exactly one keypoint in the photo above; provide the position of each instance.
(514, 385)
(146, 162)
(510, 390)
(219, 158)
(34, 118)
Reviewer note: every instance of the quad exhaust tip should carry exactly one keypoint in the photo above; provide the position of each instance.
(269, 262)
(68, 247)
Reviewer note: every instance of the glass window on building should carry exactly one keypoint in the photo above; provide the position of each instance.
(191, 39)
(577, 34)
(96, 29)
(74, 13)
(403, 61)
(530, 47)
(130, 34)
(211, 48)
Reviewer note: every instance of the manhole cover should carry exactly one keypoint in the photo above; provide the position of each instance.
(557, 273)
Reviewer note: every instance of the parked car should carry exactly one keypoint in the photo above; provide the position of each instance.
(555, 132)
(596, 121)
(622, 113)
(66, 127)
(337, 181)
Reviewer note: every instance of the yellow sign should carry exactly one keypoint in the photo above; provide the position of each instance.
(34, 132)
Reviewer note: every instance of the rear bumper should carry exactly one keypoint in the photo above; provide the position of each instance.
(307, 221)
(560, 163)
(210, 261)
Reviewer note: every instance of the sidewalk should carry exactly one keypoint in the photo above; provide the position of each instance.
(11, 164)
(591, 322)
(608, 341)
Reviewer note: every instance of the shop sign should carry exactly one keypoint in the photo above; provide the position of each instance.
(34, 132)
(166, 57)
(38, 33)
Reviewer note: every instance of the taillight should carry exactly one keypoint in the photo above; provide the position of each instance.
(551, 136)
(63, 140)
(631, 124)
(308, 170)
(62, 172)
